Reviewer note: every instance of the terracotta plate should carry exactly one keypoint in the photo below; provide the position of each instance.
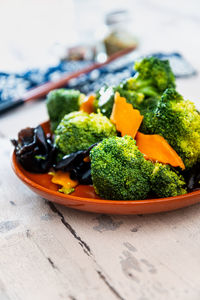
(84, 198)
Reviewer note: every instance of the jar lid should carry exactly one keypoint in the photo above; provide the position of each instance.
(117, 16)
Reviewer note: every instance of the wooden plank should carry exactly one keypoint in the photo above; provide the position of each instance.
(36, 246)
(30, 115)
(143, 254)
(3, 293)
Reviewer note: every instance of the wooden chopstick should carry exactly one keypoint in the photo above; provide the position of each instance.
(43, 89)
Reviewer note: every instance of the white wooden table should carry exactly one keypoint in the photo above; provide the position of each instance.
(52, 252)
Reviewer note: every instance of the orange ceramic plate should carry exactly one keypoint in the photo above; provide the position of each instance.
(84, 197)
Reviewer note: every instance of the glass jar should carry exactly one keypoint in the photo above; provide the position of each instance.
(119, 32)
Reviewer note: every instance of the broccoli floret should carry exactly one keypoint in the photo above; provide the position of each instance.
(79, 130)
(167, 182)
(140, 86)
(119, 170)
(153, 76)
(60, 102)
(143, 90)
(178, 122)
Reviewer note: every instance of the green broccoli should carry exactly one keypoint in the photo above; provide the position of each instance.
(166, 182)
(153, 77)
(60, 102)
(79, 130)
(178, 122)
(143, 90)
(119, 170)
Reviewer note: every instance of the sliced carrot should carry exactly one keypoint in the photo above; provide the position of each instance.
(88, 104)
(156, 148)
(63, 179)
(86, 159)
(125, 117)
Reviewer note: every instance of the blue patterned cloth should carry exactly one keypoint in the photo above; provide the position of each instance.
(13, 86)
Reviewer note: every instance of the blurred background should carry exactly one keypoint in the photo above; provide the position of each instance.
(42, 33)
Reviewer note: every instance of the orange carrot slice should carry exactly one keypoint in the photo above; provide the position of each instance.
(125, 117)
(88, 104)
(86, 159)
(156, 148)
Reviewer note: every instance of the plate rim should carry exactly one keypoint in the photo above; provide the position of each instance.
(18, 171)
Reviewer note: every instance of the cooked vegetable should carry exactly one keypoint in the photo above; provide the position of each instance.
(87, 150)
(34, 150)
(79, 130)
(88, 104)
(61, 102)
(153, 77)
(63, 179)
(119, 170)
(178, 122)
(126, 119)
(143, 90)
(78, 165)
(166, 182)
(156, 148)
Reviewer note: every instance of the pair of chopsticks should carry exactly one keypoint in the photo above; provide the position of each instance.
(42, 90)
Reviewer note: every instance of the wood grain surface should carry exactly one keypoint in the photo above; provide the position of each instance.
(53, 252)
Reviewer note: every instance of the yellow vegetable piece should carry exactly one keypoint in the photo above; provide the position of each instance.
(156, 148)
(88, 104)
(125, 117)
(63, 179)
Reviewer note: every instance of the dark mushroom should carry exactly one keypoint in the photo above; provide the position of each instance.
(34, 151)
